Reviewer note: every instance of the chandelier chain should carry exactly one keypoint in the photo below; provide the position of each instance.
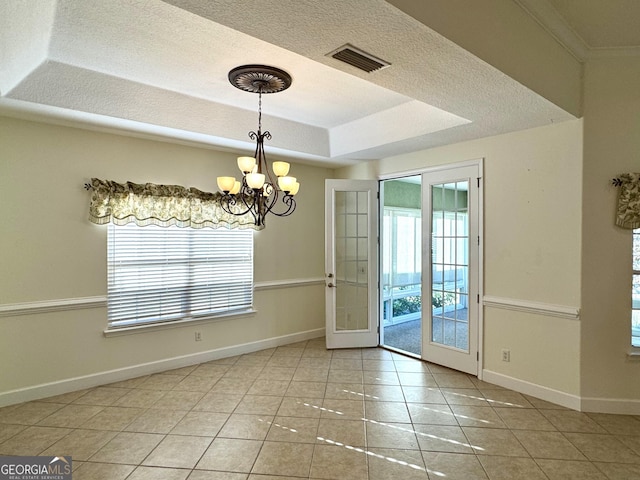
(260, 110)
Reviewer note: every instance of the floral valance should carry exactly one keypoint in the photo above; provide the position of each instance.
(628, 212)
(163, 205)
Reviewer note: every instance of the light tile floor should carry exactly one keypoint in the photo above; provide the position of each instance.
(300, 411)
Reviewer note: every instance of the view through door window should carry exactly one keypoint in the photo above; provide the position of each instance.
(351, 259)
(450, 265)
(401, 260)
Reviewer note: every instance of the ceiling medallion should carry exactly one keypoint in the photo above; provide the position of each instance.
(259, 79)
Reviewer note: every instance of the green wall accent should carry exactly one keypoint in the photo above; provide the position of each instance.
(449, 200)
(409, 195)
(402, 194)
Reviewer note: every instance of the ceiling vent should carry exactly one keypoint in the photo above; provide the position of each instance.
(358, 58)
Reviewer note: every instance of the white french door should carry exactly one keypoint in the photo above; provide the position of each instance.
(451, 267)
(351, 271)
(449, 282)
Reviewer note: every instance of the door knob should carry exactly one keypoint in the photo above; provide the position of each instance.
(331, 285)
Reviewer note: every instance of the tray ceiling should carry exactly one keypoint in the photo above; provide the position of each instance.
(159, 68)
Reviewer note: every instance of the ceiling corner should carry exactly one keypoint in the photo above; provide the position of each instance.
(25, 43)
(548, 17)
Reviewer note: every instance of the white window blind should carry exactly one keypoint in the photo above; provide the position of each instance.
(164, 274)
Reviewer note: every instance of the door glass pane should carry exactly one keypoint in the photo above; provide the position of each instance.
(351, 257)
(450, 260)
(352, 226)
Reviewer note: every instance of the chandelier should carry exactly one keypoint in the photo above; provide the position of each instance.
(258, 191)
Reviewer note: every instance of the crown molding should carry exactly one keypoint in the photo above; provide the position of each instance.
(548, 18)
(614, 52)
(555, 24)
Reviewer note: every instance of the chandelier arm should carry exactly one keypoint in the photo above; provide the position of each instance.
(255, 206)
(229, 201)
(271, 199)
(260, 205)
(290, 202)
(252, 210)
(254, 136)
(224, 204)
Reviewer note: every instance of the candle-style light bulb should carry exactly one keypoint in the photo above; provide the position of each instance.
(225, 184)
(236, 188)
(255, 180)
(286, 183)
(281, 169)
(246, 164)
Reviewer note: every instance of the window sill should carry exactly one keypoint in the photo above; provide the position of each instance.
(634, 354)
(186, 322)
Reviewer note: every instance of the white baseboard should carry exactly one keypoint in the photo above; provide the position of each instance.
(544, 393)
(624, 406)
(103, 378)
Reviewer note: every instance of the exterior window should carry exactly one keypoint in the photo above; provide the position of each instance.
(167, 274)
(401, 264)
(635, 291)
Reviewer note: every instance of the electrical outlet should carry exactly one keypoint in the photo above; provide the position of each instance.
(506, 355)
(198, 336)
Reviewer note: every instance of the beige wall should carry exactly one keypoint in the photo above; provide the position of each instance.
(532, 204)
(611, 147)
(49, 251)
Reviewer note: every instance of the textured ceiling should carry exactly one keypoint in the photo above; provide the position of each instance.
(160, 68)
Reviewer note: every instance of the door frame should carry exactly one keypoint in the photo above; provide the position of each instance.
(479, 163)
